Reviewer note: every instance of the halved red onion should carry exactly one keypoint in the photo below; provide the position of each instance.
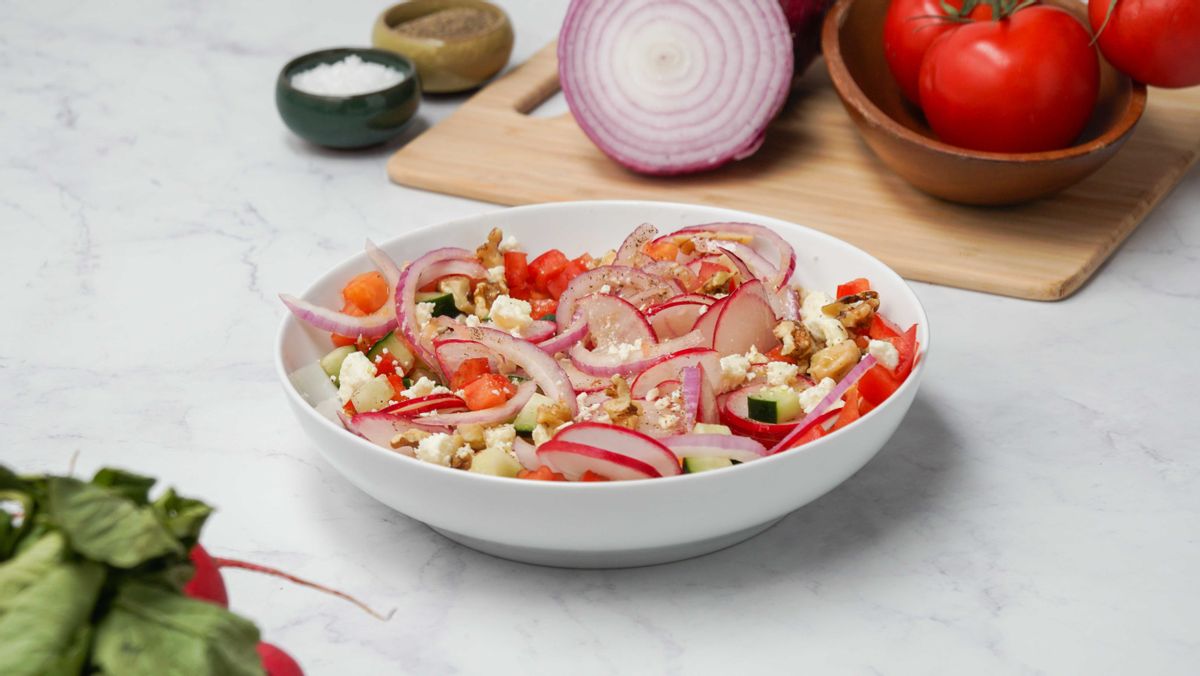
(820, 409)
(760, 236)
(624, 441)
(671, 368)
(631, 253)
(741, 449)
(613, 321)
(606, 362)
(669, 88)
(452, 352)
(459, 267)
(690, 379)
(538, 365)
(574, 460)
(526, 454)
(496, 414)
(746, 321)
(432, 402)
(621, 281)
(568, 337)
(406, 299)
(373, 325)
(380, 428)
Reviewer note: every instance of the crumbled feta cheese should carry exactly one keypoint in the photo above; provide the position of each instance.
(472, 320)
(624, 350)
(424, 314)
(496, 275)
(734, 368)
(606, 289)
(438, 449)
(781, 373)
(756, 357)
(501, 437)
(541, 434)
(511, 314)
(702, 310)
(423, 388)
(812, 396)
(508, 244)
(652, 394)
(821, 325)
(885, 353)
(356, 370)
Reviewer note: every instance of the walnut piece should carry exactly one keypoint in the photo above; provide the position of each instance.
(854, 311)
(553, 415)
(486, 293)
(620, 406)
(489, 252)
(408, 438)
(834, 361)
(472, 434)
(798, 343)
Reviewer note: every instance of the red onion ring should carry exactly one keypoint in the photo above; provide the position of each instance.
(464, 267)
(601, 363)
(406, 299)
(452, 352)
(506, 411)
(526, 454)
(387, 266)
(373, 325)
(569, 336)
(690, 382)
(669, 88)
(630, 253)
(834, 395)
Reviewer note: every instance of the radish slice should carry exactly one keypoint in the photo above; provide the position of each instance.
(820, 409)
(690, 382)
(538, 330)
(680, 274)
(672, 367)
(583, 382)
(406, 299)
(743, 270)
(624, 441)
(621, 281)
(707, 323)
(569, 336)
(380, 428)
(746, 321)
(761, 237)
(611, 362)
(757, 266)
(573, 460)
(487, 416)
(675, 318)
(690, 298)
(741, 449)
(669, 88)
(462, 267)
(526, 454)
(373, 325)
(613, 321)
(708, 393)
(630, 252)
(733, 412)
(452, 352)
(785, 304)
(432, 402)
(537, 364)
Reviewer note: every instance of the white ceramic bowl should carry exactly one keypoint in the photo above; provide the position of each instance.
(602, 525)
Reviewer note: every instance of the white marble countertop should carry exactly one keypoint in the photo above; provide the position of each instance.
(1038, 511)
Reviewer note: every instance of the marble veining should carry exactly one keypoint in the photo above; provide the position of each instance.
(1037, 512)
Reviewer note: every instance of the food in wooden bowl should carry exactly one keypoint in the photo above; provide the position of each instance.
(456, 44)
(896, 130)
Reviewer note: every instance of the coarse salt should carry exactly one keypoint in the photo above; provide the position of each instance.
(349, 77)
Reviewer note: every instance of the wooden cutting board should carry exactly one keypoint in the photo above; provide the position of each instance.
(815, 171)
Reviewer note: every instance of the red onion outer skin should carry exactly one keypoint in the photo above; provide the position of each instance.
(805, 17)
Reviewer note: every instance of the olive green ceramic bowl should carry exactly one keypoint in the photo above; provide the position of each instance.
(348, 121)
(453, 63)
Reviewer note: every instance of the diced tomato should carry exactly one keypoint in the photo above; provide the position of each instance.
(666, 250)
(707, 270)
(584, 260)
(589, 475)
(559, 283)
(469, 371)
(397, 383)
(848, 413)
(877, 384)
(543, 268)
(906, 345)
(814, 433)
(354, 311)
(348, 407)
(487, 391)
(368, 291)
(852, 287)
(386, 364)
(542, 307)
(881, 328)
(776, 354)
(542, 473)
(862, 342)
(516, 273)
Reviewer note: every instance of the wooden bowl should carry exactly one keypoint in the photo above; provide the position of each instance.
(451, 64)
(852, 42)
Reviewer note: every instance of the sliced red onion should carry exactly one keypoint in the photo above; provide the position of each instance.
(834, 395)
(691, 380)
(760, 236)
(373, 325)
(680, 274)
(621, 281)
(741, 449)
(387, 267)
(624, 441)
(569, 336)
(496, 414)
(538, 330)
(631, 253)
(759, 267)
(406, 299)
(432, 402)
(541, 367)
(669, 88)
(380, 428)
(574, 460)
(690, 298)
(462, 267)
(743, 270)
(583, 382)
(604, 362)
(526, 454)
(644, 299)
(452, 352)
(613, 321)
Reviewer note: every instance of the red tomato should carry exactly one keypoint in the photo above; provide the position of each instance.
(560, 281)
(908, 29)
(852, 287)
(589, 475)
(543, 268)
(1154, 41)
(542, 307)
(881, 328)
(488, 391)
(469, 371)
(397, 383)
(876, 385)
(1026, 83)
(516, 274)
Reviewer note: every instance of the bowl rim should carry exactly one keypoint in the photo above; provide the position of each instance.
(298, 402)
(399, 61)
(852, 95)
(504, 23)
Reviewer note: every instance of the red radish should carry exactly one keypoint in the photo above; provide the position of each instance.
(526, 454)
(746, 321)
(572, 460)
(607, 362)
(206, 583)
(275, 572)
(729, 446)
(623, 441)
(276, 662)
(670, 369)
(670, 88)
(433, 402)
(631, 252)
(675, 318)
(821, 411)
(538, 331)
(734, 413)
(707, 323)
(380, 428)
(613, 321)
(621, 281)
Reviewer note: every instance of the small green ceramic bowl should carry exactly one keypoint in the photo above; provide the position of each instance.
(348, 121)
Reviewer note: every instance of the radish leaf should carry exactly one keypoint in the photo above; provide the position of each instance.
(108, 527)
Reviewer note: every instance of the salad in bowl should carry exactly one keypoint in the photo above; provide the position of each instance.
(675, 353)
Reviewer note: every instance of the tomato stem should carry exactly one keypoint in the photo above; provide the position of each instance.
(1104, 24)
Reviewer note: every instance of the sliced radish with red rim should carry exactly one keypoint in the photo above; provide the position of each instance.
(623, 441)
(573, 460)
(670, 369)
(746, 321)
